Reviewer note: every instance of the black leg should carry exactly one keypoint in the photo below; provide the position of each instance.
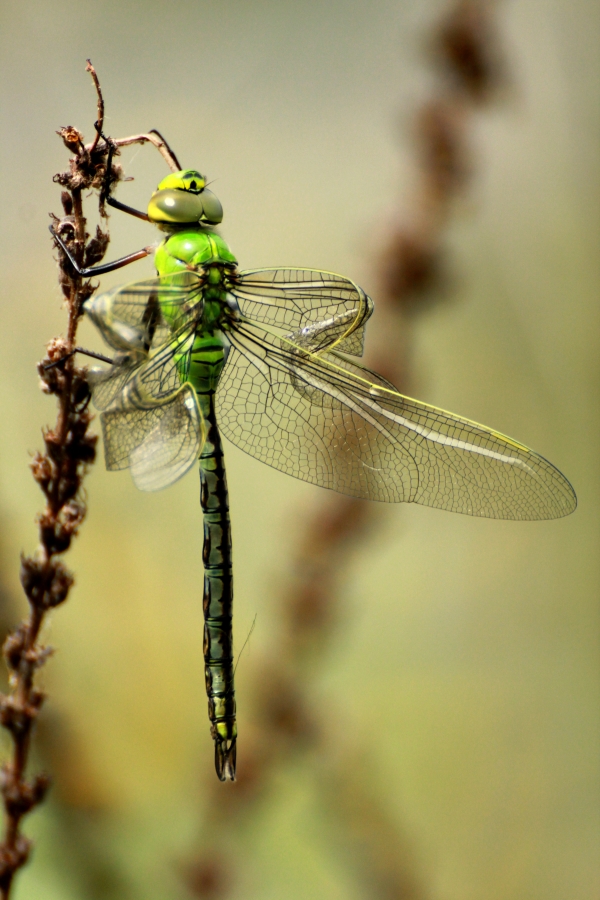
(104, 267)
(105, 192)
(127, 209)
(159, 135)
(91, 353)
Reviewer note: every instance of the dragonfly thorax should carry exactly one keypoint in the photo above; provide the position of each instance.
(194, 247)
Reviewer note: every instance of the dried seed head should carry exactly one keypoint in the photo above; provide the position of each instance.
(45, 582)
(72, 137)
(96, 248)
(14, 646)
(67, 202)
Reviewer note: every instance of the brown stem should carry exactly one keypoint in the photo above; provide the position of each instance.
(59, 472)
(100, 120)
(286, 721)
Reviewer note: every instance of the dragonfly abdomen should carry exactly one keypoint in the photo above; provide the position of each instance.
(218, 594)
(206, 361)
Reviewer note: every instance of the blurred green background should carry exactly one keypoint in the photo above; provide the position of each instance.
(463, 673)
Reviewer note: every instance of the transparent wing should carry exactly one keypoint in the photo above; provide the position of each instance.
(155, 373)
(319, 309)
(150, 421)
(159, 443)
(325, 419)
(133, 318)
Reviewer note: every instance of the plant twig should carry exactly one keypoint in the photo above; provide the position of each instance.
(69, 450)
(100, 120)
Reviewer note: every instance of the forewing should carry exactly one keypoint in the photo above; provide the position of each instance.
(154, 374)
(151, 422)
(133, 318)
(326, 420)
(318, 310)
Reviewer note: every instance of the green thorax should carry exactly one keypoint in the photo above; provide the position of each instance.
(200, 248)
(193, 246)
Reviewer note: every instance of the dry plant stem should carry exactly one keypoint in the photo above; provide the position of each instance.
(59, 472)
(411, 274)
(69, 449)
(100, 121)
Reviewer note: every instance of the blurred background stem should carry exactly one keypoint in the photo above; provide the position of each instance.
(288, 720)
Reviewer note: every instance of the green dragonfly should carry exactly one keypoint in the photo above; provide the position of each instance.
(270, 359)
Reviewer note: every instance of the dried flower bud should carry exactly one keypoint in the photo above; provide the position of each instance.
(13, 647)
(96, 248)
(43, 470)
(67, 202)
(72, 138)
(46, 583)
(467, 47)
(11, 859)
(21, 796)
(61, 584)
(13, 716)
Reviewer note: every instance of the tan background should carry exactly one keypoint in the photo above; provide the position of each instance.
(465, 667)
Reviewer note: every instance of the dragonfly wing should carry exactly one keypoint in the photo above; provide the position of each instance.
(132, 318)
(158, 442)
(151, 422)
(155, 370)
(106, 384)
(318, 309)
(324, 419)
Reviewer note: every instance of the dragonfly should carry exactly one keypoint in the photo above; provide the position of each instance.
(271, 359)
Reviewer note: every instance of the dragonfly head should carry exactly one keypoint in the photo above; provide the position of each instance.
(183, 199)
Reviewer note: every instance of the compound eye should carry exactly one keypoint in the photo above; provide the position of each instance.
(175, 206)
(211, 207)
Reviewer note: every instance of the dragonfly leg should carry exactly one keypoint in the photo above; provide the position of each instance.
(127, 209)
(105, 196)
(85, 352)
(104, 267)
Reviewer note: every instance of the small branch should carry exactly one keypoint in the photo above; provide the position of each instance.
(59, 470)
(100, 121)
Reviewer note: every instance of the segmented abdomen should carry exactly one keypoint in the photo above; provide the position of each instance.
(205, 367)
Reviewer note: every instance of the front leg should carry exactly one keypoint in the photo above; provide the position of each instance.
(104, 267)
(105, 196)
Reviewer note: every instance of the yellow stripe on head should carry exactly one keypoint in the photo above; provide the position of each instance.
(186, 180)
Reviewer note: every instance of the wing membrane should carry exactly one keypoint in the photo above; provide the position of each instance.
(155, 372)
(318, 309)
(132, 318)
(151, 422)
(325, 419)
(160, 443)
